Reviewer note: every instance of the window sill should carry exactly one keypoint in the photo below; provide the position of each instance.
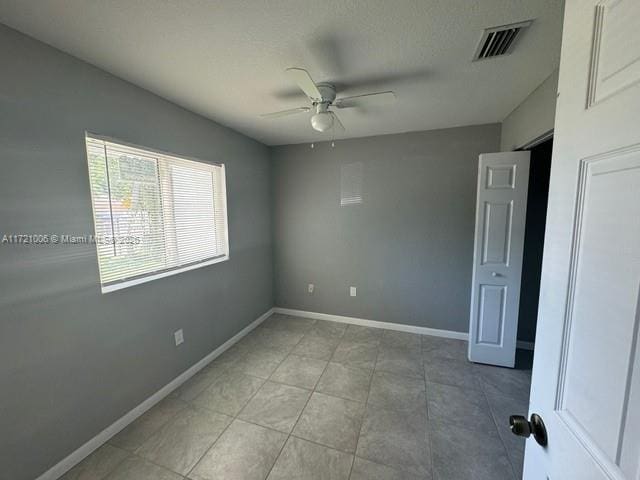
(155, 276)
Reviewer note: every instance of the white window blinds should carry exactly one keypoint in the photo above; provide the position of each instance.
(155, 214)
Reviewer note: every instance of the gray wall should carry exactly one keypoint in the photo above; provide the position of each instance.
(408, 248)
(533, 118)
(72, 360)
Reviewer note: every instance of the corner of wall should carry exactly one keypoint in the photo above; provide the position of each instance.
(533, 117)
(272, 213)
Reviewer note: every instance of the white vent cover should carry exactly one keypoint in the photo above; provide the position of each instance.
(351, 179)
(497, 41)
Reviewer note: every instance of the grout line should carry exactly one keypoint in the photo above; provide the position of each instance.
(295, 436)
(366, 404)
(426, 395)
(186, 405)
(152, 463)
(346, 452)
(482, 390)
(312, 391)
(135, 453)
(235, 417)
(495, 422)
(129, 453)
(210, 447)
(189, 404)
(303, 408)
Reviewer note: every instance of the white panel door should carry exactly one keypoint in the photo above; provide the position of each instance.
(586, 375)
(501, 209)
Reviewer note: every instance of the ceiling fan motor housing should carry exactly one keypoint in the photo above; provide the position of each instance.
(327, 91)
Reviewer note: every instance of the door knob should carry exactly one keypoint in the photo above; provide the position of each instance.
(495, 274)
(523, 428)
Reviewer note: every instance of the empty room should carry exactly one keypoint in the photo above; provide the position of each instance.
(341, 240)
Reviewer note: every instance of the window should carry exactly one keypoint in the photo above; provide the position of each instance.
(155, 214)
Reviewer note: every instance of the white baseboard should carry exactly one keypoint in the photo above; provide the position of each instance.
(78, 455)
(85, 450)
(435, 332)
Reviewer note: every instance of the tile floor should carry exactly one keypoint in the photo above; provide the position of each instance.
(305, 399)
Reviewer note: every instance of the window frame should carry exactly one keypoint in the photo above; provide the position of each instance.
(148, 277)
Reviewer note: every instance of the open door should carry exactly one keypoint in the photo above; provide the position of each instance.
(586, 374)
(501, 210)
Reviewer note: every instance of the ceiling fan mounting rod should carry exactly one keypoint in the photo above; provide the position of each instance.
(322, 107)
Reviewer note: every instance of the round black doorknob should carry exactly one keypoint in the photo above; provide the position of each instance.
(523, 428)
(519, 426)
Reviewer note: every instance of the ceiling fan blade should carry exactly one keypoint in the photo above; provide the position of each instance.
(284, 113)
(337, 123)
(305, 82)
(366, 100)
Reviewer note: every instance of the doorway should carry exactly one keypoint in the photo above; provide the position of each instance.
(511, 210)
(537, 199)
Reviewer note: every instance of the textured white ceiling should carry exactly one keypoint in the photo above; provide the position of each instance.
(226, 59)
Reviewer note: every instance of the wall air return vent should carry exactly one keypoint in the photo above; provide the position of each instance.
(497, 41)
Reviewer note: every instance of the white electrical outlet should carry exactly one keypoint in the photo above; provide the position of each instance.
(311, 287)
(352, 291)
(178, 337)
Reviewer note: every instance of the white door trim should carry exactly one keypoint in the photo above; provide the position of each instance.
(537, 141)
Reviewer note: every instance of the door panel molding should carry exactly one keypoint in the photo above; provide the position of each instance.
(615, 59)
(489, 217)
(488, 334)
(501, 176)
(617, 460)
(599, 457)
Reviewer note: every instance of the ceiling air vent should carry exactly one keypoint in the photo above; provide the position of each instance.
(498, 41)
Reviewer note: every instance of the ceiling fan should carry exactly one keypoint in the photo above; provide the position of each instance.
(323, 96)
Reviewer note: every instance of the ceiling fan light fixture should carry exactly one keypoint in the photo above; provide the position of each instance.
(322, 96)
(322, 121)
